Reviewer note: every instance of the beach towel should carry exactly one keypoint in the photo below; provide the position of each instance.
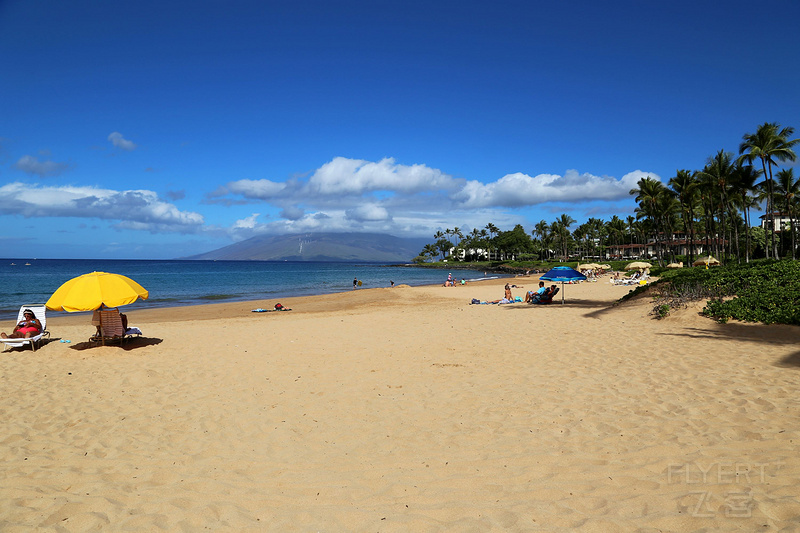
(261, 310)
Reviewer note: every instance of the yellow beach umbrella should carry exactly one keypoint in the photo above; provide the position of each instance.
(89, 291)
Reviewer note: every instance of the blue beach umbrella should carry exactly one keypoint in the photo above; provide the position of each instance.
(563, 274)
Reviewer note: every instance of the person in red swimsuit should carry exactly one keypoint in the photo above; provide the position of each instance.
(27, 327)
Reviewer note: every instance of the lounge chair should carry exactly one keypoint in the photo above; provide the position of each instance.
(546, 299)
(636, 279)
(39, 311)
(111, 328)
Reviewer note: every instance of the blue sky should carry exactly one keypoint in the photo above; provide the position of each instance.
(162, 129)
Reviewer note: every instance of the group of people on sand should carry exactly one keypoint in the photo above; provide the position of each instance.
(451, 281)
(26, 328)
(542, 294)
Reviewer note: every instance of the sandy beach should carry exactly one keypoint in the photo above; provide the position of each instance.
(406, 409)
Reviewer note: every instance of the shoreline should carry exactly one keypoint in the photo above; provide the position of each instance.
(210, 282)
(405, 409)
(314, 303)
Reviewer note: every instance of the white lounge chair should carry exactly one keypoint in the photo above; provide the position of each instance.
(39, 310)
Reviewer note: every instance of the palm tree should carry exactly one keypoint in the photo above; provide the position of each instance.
(769, 143)
(541, 231)
(717, 174)
(685, 184)
(631, 221)
(562, 225)
(581, 234)
(429, 250)
(743, 189)
(615, 229)
(788, 189)
(493, 230)
(648, 193)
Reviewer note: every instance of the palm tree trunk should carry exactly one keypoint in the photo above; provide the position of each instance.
(747, 234)
(771, 215)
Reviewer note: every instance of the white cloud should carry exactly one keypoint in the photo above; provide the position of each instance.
(518, 190)
(356, 176)
(246, 223)
(357, 195)
(255, 189)
(367, 213)
(121, 142)
(43, 169)
(137, 209)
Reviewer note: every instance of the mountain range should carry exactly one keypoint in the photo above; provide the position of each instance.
(358, 247)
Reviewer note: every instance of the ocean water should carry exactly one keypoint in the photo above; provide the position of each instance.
(178, 283)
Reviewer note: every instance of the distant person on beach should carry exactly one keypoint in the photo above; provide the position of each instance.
(355, 282)
(508, 292)
(27, 327)
(391, 283)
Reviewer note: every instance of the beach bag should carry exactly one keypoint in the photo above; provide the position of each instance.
(475, 301)
(278, 307)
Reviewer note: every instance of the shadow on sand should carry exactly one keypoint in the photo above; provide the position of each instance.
(129, 344)
(599, 305)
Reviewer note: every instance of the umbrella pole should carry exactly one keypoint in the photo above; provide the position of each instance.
(562, 293)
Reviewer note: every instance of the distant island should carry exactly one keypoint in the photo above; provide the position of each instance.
(355, 247)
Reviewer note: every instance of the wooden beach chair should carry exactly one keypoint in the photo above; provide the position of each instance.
(40, 311)
(111, 328)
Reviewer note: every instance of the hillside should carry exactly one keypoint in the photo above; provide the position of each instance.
(359, 247)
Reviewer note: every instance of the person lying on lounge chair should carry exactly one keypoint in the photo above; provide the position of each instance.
(27, 327)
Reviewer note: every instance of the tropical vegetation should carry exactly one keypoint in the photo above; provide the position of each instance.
(766, 291)
(708, 208)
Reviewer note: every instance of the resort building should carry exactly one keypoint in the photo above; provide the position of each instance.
(779, 221)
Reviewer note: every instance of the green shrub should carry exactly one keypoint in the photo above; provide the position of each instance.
(764, 291)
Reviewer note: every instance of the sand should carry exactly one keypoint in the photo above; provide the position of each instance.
(406, 409)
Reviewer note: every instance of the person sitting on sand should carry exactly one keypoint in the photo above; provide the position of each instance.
(26, 328)
(508, 292)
